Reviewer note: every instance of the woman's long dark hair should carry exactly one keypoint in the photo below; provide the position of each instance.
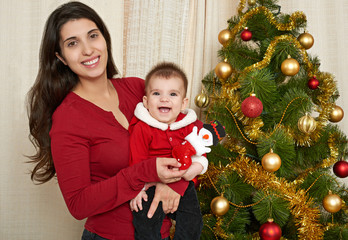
(53, 82)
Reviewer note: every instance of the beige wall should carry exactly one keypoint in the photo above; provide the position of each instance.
(35, 212)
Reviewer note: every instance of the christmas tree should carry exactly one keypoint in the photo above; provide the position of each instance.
(270, 178)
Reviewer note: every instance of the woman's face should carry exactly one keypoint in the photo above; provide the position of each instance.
(83, 49)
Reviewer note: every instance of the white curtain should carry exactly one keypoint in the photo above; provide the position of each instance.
(184, 32)
(207, 19)
(143, 32)
(155, 31)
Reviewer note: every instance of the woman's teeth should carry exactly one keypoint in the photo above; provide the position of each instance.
(91, 62)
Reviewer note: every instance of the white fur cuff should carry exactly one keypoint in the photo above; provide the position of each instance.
(202, 160)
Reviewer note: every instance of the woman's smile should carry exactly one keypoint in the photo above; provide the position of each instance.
(91, 63)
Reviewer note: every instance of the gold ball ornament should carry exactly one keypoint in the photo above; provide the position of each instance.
(306, 124)
(202, 100)
(332, 203)
(290, 66)
(306, 40)
(251, 2)
(336, 114)
(223, 70)
(219, 205)
(271, 161)
(224, 37)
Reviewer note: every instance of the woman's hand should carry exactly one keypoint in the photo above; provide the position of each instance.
(167, 170)
(170, 200)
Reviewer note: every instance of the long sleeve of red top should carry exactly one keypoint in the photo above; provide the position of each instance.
(90, 150)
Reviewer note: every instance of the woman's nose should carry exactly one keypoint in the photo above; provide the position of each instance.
(87, 49)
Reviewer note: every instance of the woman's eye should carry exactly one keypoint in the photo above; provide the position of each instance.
(72, 43)
(94, 35)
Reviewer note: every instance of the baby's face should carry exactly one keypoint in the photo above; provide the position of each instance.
(165, 98)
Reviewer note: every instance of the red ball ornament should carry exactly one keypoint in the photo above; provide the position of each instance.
(341, 169)
(270, 231)
(246, 35)
(313, 83)
(252, 106)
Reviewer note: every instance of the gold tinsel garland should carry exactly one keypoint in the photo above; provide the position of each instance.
(301, 206)
(229, 93)
(252, 126)
(280, 26)
(241, 6)
(306, 216)
(327, 90)
(270, 50)
(324, 107)
(327, 162)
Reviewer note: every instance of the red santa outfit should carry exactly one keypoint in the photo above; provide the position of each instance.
(151, 138)
(90, 150)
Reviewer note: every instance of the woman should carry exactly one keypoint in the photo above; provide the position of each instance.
(78, 118)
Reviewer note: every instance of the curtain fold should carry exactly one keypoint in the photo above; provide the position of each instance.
(155, 32)
(207, 19)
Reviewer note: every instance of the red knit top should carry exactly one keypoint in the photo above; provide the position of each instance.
(90, 150)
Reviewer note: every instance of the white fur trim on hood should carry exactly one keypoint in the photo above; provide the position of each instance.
(143, 114)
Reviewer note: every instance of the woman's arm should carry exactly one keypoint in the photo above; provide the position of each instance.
(85, 196)
(87, 192)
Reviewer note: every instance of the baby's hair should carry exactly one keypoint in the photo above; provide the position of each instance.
(166, 70)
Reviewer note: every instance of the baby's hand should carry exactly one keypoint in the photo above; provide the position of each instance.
(136, 203)
(148, 185)
(194, 170)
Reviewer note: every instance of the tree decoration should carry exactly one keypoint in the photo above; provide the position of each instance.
(202, 100)
(196, 181)
(223, 70)
(301, 206)
(340, 169)
(246, 34)
(219, 205)
(252, 106)
(306, 40)
(224, 37)
(271, 49)
(336, 114)
(306, 124)
(251, 2)
(313, 83)
(270, 231)
(271, 161)
(290, 66)
(332, 203)
(288, 183)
